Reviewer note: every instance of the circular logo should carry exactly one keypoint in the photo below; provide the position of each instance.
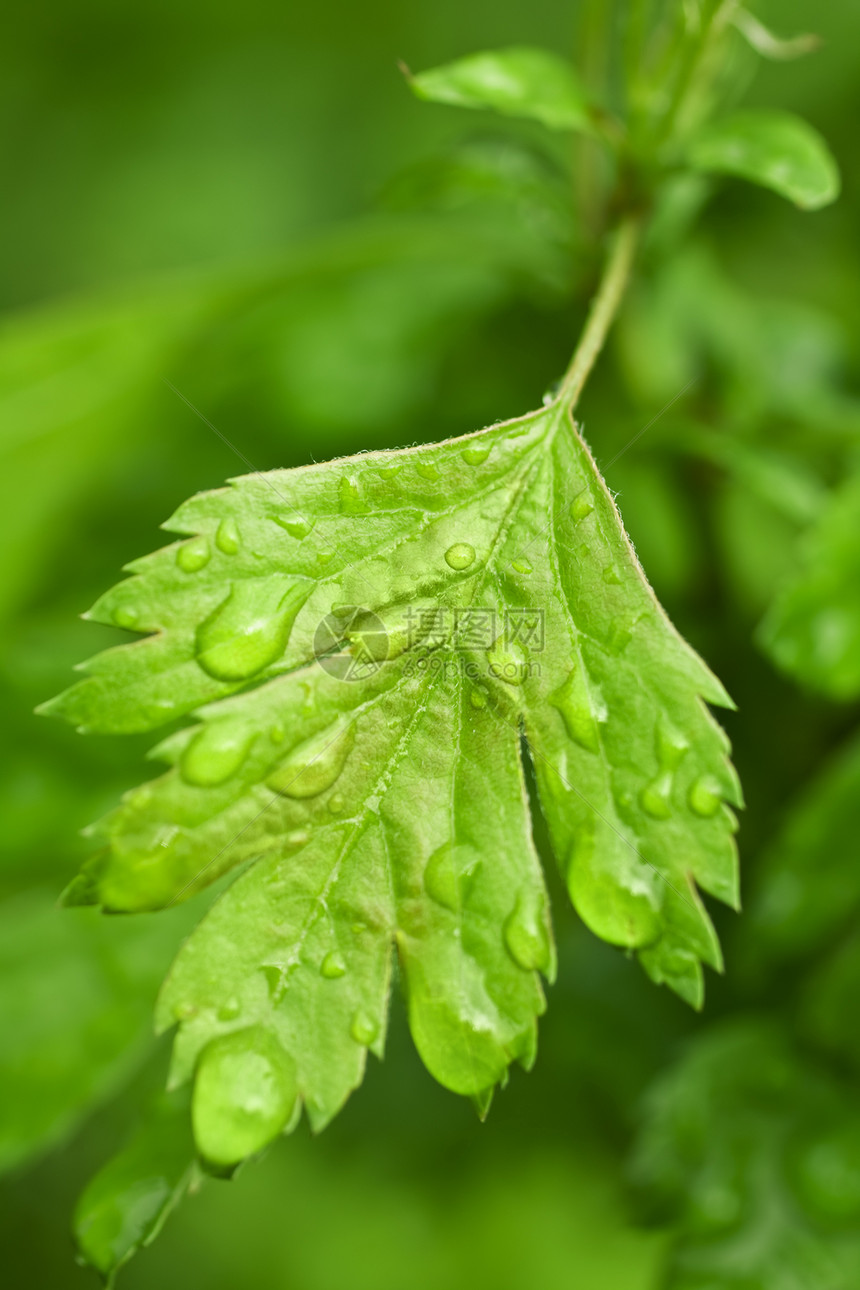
(350, 643)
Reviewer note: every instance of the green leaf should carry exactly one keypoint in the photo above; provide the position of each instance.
(774, 149)
(125, 1205)
(754, 1155)
(75, 1014)
(519, 82)
(364, 642)
(812, 630)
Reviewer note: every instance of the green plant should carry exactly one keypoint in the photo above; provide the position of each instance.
(313, 749)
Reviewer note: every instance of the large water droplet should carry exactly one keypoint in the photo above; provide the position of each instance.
(216, 752)
(363, 1029)
(449, 873)
(194, 555)
(615, 894)
(314, 765)
(333, 966)
(296, 525)
(244, 1094)
(227, 537)
(475, 455)
(526, 933)
(573, 701)
(705, 796)
(349, 497)
(581, 506)
(507, 662)
(427, 469)
(460, 555)
(656, 797)
(250, 629)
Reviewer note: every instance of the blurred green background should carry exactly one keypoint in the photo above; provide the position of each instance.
(246, 202)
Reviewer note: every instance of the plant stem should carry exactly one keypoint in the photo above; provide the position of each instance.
(604, 306)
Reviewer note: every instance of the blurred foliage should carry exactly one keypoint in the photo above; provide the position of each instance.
(231, 200)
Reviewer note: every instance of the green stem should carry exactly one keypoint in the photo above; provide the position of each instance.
(604, 307)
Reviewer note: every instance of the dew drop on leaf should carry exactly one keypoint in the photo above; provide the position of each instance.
(333, 967)
(227, 537)
(363, 1028)
(581, 506)
(705, 796)
(350, 499)
(615, 904)
(522, 565)
(475, 455)
(216, 753)
(478, 698)
(244, 1094)
(244, 634)
(296, 525)
(297, 838)
(314, 765)
(427, 470)
(336, 803)
(229, 1010)
(573, 702)
(125, 617)
(612, 576)
(194, 554)
(460, 555)
(526, 934)
(388, 472)
(507, 662)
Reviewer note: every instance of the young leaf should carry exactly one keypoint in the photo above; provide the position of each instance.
(516, 82)
(370, 638)
(124, 1206)
(812, 630)
(774, 149)
(754, 1154)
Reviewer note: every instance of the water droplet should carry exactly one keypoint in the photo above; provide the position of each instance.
(618, 639)
(612, 576)
(194, 555)
(363, 1029)
(656, 797)
(244, 1094)
(526, 933)
(296, 525)
(573, 701)
(705, 796)
(388, 472)
(507, 662)
(449, 873)
(184, 1011)
(615, 894)
(125, 616)
(216, 752)
(325, 557)
(351, 501)
(427, 469)
(581, 506)
(314, 765)
(333, 966)
(482, 1102)
(478, 698)
(671, 745)
(460, 555)
(336, 803)
(551, 394)
(229, 1010)
(522, 565)
(247, 631)
(298, 838)
(227, 538)
(476, 455)
(276, 981)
